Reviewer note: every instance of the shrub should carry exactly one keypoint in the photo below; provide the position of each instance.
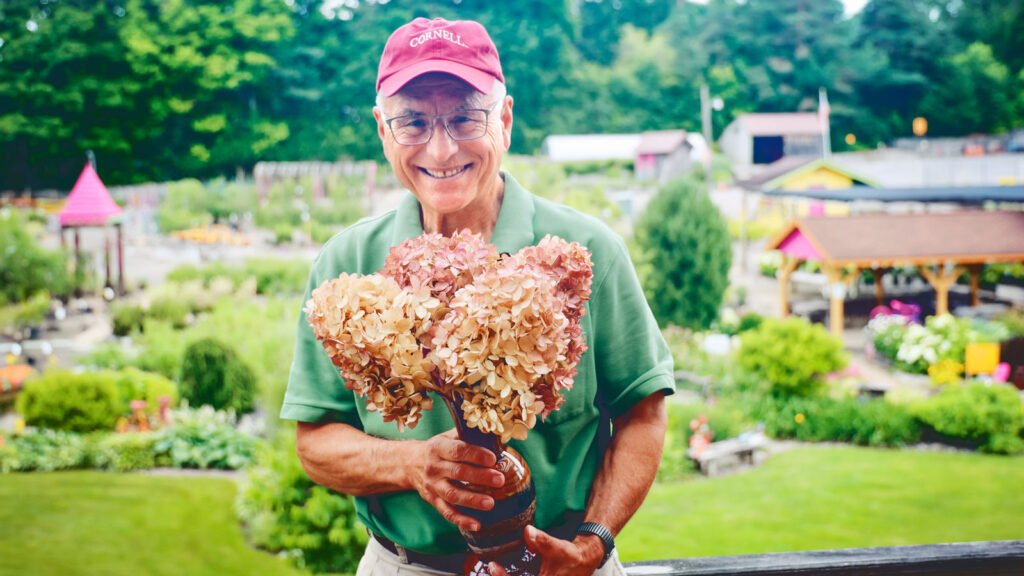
(687, 252)
(278, 276)
(134, 384)
(272, 275)
(283, 233)
(749, 321)
(172, 310)
(282, 510)
(824, 419)
(127, 318)
(162, 348)
(1013, 320)
(44, 450)
(792, 355)
(124, 452)
(212, 374)
(60, 400)
(183, 207)
(991, 414)
(26, 268)
(204, 438)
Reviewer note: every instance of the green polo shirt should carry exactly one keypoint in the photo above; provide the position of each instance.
(627, 361)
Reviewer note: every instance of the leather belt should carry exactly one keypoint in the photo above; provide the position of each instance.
(451, 563)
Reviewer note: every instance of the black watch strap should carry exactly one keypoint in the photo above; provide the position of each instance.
(601, 532)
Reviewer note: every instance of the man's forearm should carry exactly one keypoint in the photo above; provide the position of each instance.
(630, 464)
(439, 469)
(345, 459)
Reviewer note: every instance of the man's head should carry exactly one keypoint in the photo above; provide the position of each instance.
(442, 113)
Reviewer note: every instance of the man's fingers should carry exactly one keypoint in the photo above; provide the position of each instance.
(460, 451)
(496, 569)
(452, 514)
(455, 494)
(538, 541)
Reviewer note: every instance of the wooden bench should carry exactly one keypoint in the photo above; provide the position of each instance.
(718, 458)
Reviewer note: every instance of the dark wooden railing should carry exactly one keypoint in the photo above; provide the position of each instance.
(1002, 558)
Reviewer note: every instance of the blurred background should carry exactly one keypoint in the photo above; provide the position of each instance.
(824, 201)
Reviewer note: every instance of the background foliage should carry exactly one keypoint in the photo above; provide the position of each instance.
(162, 90)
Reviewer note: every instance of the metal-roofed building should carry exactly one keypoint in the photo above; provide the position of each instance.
(587, 147)
(663, 155)
(764, 138)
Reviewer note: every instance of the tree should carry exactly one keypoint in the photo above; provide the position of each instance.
(65, 87)
(205, 66)
(998, 23)
(905, 47)
(685, 248)
(599, 24)
(974, 95)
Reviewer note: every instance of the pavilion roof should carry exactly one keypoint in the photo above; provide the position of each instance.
(882, 240)
(89, 203)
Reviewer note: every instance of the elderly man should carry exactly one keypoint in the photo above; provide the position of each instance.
(445, 122)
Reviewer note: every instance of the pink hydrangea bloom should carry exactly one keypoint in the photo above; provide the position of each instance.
(446, 315)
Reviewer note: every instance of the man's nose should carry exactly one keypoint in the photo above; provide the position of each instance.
(441, 144)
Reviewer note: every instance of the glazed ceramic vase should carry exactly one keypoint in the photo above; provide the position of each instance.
(500, 537)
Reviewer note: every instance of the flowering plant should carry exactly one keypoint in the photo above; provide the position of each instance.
(499, 335)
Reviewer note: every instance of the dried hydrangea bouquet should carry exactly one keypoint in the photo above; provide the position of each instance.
(496, 338)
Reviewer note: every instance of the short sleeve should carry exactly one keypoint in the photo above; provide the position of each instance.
(316, 391)
(630, 354)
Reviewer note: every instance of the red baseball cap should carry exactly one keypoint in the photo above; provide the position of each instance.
(461, 48)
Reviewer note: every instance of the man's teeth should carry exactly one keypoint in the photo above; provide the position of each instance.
(444, 174)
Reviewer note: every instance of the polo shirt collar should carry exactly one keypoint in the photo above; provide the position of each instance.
(513, 231)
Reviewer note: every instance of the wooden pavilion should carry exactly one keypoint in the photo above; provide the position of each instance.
(941, 246)
(89, 204)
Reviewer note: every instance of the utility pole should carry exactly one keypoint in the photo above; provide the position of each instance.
(705, 117)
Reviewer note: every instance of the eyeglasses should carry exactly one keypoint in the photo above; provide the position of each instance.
(461, 125)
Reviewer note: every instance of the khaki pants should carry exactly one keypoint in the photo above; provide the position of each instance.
(379, 561)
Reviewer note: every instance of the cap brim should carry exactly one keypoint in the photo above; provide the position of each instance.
(478, 79)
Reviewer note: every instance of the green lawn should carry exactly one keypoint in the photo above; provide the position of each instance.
(821, 498)
(84, 523)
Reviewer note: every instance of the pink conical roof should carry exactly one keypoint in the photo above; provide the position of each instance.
(89, 203)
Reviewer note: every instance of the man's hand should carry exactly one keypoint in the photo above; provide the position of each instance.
(580, 557)
(445, 471)
(441, 470)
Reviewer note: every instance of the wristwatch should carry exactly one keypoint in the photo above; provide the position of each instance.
(601, 532)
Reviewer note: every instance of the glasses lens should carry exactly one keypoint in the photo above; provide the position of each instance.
(411, 130)
(467, 125)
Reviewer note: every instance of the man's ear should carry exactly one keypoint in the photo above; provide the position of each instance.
(506, 122)
(382, 133)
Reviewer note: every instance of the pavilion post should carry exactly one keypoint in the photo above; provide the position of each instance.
(78, 264)
(975, 271)
(838, 282)
(878, 273)
(120, 259)
(789, 265)
(106, 259)
(941, 280)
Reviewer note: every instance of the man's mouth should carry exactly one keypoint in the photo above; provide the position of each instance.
(445, 173)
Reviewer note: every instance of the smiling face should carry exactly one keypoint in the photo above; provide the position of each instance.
(456, 182)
